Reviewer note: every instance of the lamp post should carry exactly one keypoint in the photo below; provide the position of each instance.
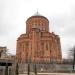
(74, 58)
(35, 69)
(17, 67)
(29, 61)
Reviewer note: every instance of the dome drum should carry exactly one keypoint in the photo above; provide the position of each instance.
(39, 22)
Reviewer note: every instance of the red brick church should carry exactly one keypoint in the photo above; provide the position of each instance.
(38, 44)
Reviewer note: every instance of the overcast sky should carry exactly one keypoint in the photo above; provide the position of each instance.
(14, 13)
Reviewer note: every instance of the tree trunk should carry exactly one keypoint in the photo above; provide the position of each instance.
(6, 69)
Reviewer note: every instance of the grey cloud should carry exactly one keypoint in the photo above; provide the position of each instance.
(6, 28)
(64, 26)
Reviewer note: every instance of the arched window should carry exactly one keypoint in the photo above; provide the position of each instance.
(46, 46)
(27, 45)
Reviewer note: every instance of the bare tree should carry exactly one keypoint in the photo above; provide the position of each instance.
(72, 55)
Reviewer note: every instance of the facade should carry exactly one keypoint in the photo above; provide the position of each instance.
(5, 55)
(38, 44)
(6, 59)
(3, 51)
(6, 63)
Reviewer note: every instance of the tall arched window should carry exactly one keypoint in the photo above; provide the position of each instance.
(46, 46)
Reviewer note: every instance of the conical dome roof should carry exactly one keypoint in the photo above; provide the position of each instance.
(37, 14)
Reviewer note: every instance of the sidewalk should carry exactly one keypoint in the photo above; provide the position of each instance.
(51, 74)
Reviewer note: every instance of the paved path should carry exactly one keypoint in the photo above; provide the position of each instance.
(56, 73)
(51, 74)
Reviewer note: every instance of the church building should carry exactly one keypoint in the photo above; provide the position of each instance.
(38, 44)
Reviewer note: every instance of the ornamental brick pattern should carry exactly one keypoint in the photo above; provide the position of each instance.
(38, 44)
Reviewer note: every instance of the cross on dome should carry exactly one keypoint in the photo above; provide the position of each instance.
(37, 14)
